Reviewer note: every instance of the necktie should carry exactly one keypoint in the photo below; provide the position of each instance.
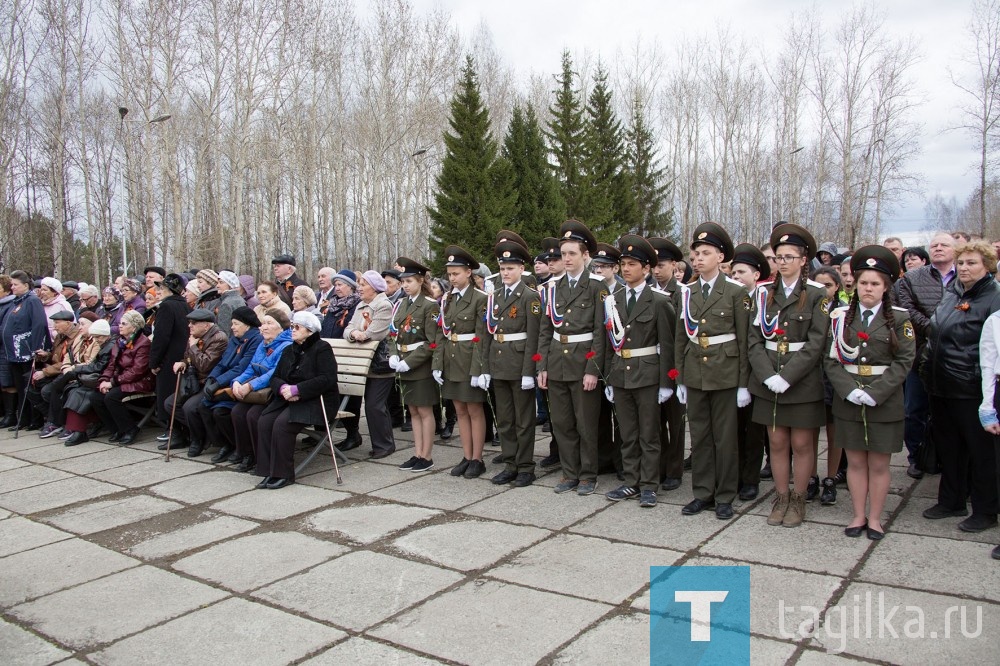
(506, 294)
(458, 296)
(866, 318)
(572, 283)
(705, 290)
(631, 301)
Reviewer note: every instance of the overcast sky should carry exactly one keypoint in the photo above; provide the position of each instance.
(533, 33)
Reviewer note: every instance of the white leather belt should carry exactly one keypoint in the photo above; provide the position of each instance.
(639, 351)
(461, 337)
(570, 339)
(783, 346)
(707, 341)
(411, 346)
(866, 370)
(510, 337)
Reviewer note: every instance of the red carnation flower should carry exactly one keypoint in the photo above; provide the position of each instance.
(536, 358)
(433, 345)
(591, 354)
(862, 336)
(673, 374)
(475, 338)
(393, 334)
(779, 331)
(963, 306)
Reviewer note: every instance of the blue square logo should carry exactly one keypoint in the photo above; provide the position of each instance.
(699, 615)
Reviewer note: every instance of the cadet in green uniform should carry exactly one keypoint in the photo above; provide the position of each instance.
(790, 321)
(711, 358)
(553, 257)
(605, 266)
(571, 344)
(750, 267)
(672, 414)
(414, 337)
(639, 357)
(458, 363)
(871, 349)
(513, 312)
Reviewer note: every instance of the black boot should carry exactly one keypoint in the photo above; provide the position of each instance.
(129, 437)
(9, 409)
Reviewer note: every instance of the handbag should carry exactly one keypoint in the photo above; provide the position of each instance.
(380, 361)
(189, 385)
(258, 397)
(89, 379)
(927, 459)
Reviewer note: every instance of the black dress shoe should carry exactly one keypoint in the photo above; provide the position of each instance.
(855, 532)
(939, 511)
(349, 443)
(497, 459)
(407, 426)
(459, 469)
(378, 455)
(162, 446)
(503, 477)
(723, 511)
(670, 483)
(996, 553)
(247, 464)
(263, 482)
(34, 426)
(527, 478)
(129, 437)
(875, 535)
(914, 472)
(234, 457)
(978, 522)
(447, 431)
(765, 471)
(696, 506)
(221, 455)
(279, 483)
(195, 449)
(77, 438)
(115, 436)
(749, 492)
(549, 461)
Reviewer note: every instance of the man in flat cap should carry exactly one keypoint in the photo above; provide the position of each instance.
(711, 358)
(40, 390)
(285, 277)
(571, 344)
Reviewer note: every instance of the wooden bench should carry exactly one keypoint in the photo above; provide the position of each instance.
(353, 361)
(145, 413)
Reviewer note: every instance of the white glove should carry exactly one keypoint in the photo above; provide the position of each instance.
(855, 396)
(393, 361)
(682, 394)
(867, 399)
(742, 397)
(437, 377)
(402, 367)
(777, 384)
(527, 383)
(609, 393)
(484, 381)
(663, 395)
(474, 381)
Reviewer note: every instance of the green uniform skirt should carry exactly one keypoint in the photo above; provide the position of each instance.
(796, 415)
(882, 437)
(420, 392)
(462, 391)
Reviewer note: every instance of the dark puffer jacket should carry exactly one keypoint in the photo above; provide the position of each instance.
(311, 367)
(950, 363)
(920, 291)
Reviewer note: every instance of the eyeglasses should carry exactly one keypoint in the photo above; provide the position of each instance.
(297, 326)
(769, 257)
(786, 258)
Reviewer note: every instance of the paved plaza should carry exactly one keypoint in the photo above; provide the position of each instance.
(112, 556)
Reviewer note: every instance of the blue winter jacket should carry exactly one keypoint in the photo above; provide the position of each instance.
(235, 360)
(264, 361)
(25, 329)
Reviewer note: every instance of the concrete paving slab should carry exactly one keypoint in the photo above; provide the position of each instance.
(911, 521)
(367, 523)
(107, 609)
(578, 565)
(56, 450)
(812, 657)
(99, 516)
(148, 473)
(44, 570)
(7, 462)
(249, 562)
(278, 504)
(21, 647)
(362, 477)
(107, 458)
(206, 487)
(927, 486)
(365, 651)
(26, 477)
(624, 636)
(892, 562)
(4, 513)
(20, 534)
(26, 441)
(662, 526)
(930, 640)
(358, 589)
(233, 632)
(508, 620)
(538, 506)
(766, 651)
(440, 491)
(191, 537)
(56, 494)
(468, 545)
(814, 547)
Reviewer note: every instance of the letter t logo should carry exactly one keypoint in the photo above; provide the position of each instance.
(701, 610)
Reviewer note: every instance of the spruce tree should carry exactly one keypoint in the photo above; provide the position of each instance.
(474, 198)
(539, 208)
(649, 181)
(565, 136)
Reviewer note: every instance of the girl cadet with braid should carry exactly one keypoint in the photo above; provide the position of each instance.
(785, 345)
(871, 349)
(413, 340)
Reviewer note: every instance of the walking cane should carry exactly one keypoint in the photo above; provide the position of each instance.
(173, 410)
(329, 438)
(24, 403)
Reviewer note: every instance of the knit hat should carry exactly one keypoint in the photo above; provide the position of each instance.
(230, 278)
(247, 316)
(347, 276)
(100, 327)
(134, 319)
(131, 285)
(307, 320)
(208, 275)
(113, 292)
(374, 280)
(53, 284)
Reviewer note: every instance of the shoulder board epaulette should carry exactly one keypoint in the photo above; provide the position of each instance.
(896, 307)
(430, 300)
(480, 291)
(842, 308)
(765, 283)
(693, 281)
(657, 289)
(734, 281)
(813, 283)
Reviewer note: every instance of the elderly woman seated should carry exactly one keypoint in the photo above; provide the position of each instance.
(304, 300)
(127, 373)
(84, 376)
(305, 379)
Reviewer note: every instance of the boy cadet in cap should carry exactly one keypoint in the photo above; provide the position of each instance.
(285, 277)
(639, 358)
(751, 267)
(527, 276)
(672, 412)
(571, 344)
(604, 265)
(711, 358)
(513, 314)
(785, 347)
